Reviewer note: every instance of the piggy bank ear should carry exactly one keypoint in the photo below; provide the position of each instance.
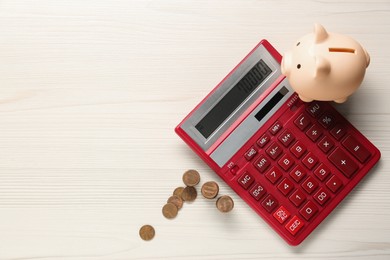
(322, 67)
(320, 34)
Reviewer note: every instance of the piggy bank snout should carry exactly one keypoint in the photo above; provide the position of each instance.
(286, 63)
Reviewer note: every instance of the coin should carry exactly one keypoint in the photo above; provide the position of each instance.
(146, 232)
(191, 177)
(210, 190)
(225, 204)
(169, 210)
(189, 194)
(178, 191)
(176, 200)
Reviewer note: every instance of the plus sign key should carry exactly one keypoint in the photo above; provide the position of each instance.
(343, 162)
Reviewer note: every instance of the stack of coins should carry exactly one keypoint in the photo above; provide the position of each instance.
(182, 194)
(175, 202)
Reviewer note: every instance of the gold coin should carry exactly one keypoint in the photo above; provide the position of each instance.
(147, 232)
(176, 200)
(191, 177)
(189, 194)
(225, 204)
(178, 191)
(210, 190)
(169, 210)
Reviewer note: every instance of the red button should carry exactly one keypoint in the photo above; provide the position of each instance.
(297, 197)
(322, 196)
(325, 144)
(262, 164)
(269, 203)
(298, 173)
(274, 150)
(274, 174)
(286, 186)
(314, 132)
(281, 214)
(326, 120)
(275, 128)
(234, 169)
(322, 172)
(298, 149)
(250, 154)
(356, 149)
(246, 180)
(343, 162)
(314, 109)
(286, 162)
(286, 138)
(263, 140)
(257, 191)
(310, 160)
(334, 184)
(302, 121)
(309, 185)
(338, 131)
(294, 225)
(308, 210)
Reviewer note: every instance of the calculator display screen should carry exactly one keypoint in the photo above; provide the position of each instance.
(233, 98)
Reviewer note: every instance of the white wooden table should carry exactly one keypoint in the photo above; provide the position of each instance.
(90, 92)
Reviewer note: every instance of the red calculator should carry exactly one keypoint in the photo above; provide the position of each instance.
(292, 162)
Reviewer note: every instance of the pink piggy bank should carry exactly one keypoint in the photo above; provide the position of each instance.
(325, 66)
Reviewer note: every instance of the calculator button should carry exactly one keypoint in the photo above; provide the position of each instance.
(298, 149)
(343, 162)
(286, 138)
(297, 198)
(309, 185)
(326, 120)
(257, 191)
(325, 144)
(322, 196)
(269, 203)
(302, 121)
(263, 140)
(274, 174)
(308, 210)
(334, 184)
(250, 154)
(314, 109)
(286, 186)
(274, 150)
(262, 164)
(281, 214)
(246, 180)
(286, 162)
(294, 225)
(310, 160)
(234, 169)
(275, 128)
(322, 172)
(314, 132)
(338, 131)
(356, 148)
(298, 173)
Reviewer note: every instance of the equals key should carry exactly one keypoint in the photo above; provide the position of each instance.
(356, 149)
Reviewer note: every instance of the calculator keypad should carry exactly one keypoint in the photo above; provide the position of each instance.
(289, 177)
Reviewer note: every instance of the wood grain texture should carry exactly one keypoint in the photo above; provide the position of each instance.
(90, 92)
